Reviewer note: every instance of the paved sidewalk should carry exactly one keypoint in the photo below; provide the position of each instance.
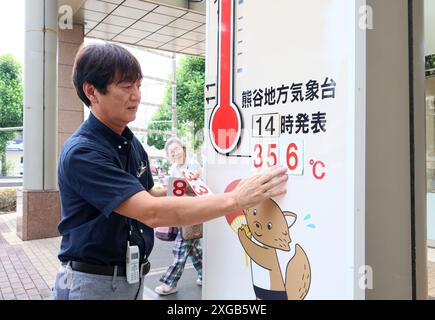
(431, 277)
(27, 268)
(431, 272)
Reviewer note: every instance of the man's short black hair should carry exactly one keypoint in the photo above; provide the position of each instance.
(103, 64)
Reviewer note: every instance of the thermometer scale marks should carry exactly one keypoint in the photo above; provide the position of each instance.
(225, 125)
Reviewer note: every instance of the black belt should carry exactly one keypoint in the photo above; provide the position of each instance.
(106, 270)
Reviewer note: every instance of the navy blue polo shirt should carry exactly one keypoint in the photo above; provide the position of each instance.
(98, 170)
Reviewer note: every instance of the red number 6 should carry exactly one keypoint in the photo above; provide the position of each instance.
(292, 155)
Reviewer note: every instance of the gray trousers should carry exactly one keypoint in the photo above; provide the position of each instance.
(75, 285)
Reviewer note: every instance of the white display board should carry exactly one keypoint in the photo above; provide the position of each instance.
(283, 86)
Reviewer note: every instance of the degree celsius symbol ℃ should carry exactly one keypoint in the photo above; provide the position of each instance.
(318, 169)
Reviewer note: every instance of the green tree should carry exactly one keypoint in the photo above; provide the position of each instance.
(190, 102)
(11, 102)
(158, 139)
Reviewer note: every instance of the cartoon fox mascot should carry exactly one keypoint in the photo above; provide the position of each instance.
(267, 230)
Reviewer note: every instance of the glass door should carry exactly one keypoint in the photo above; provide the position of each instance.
(430, 155)
(430, 167)
(429, 31)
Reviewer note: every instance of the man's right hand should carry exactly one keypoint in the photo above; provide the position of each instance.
(261, 186)
(182, 211)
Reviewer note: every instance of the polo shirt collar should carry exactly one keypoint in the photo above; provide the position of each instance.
(115, 139)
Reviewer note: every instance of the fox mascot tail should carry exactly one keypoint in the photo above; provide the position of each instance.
(298, 275)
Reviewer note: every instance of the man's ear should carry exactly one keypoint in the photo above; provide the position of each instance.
(90, 92)
(290, 217)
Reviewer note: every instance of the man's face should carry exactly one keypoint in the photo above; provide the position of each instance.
(121, 101)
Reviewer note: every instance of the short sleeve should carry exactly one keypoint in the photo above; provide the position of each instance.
(97, 178)
(148, 175)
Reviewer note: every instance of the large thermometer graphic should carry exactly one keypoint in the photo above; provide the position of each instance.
(225, 125)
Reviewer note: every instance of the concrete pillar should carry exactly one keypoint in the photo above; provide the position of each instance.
(40, 200)
(52, 113)
(70, 114)
(197, 6)
(40, 99)
(175, 3)
(395, 151)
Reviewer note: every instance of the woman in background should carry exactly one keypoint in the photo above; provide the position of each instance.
(176, 153)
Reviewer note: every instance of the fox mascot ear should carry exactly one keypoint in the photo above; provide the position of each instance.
(290, 217)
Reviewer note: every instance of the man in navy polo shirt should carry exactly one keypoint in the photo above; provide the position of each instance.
(106, 188)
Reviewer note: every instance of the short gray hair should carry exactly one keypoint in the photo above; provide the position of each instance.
(174, 140)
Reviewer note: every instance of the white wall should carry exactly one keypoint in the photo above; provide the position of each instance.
(429, 26)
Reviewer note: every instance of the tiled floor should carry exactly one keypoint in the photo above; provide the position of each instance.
(431, 277)
(431, 271)
(27, 269)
